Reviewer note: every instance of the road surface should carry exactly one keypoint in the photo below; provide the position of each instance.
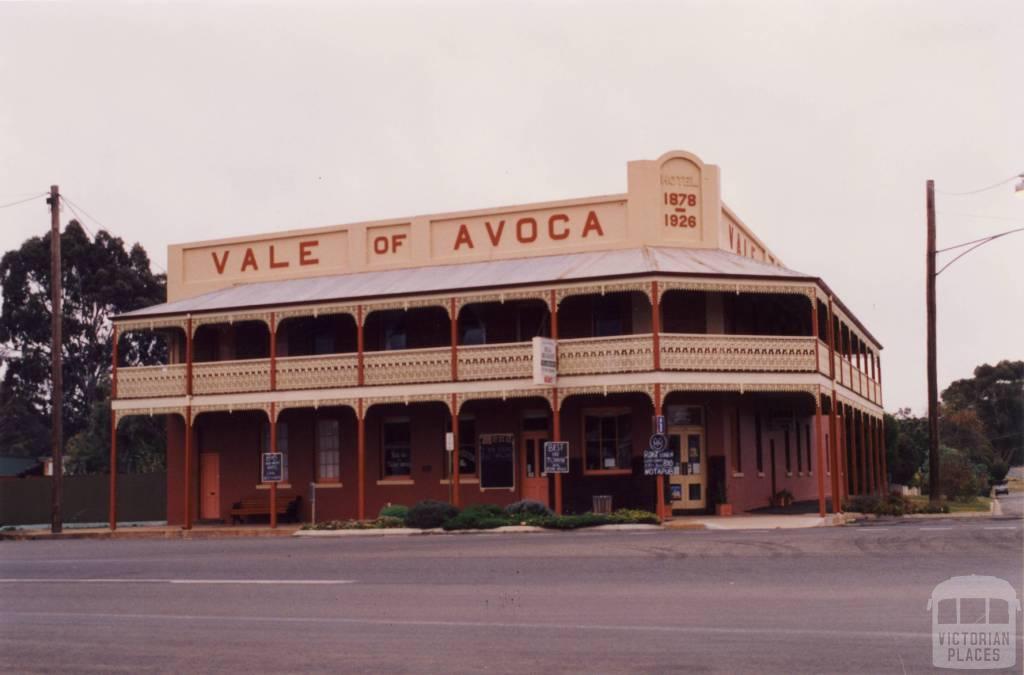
(848, 599)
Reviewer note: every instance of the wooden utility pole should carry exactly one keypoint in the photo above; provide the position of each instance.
(933, 380)
(57, 391)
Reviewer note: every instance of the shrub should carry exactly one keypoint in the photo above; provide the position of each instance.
(862, 504)
(479, 517)
(430, 513)
(528, 507)
(893, 505)
(572, 522)
(997, 471)
(395, 511)
(634, 516)
(388, 522)
(941, 507)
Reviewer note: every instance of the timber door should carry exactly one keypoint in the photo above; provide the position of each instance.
(209, 486)
(688, 484)
(534, 480)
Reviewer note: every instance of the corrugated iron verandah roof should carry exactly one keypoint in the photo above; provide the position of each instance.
(475, 275)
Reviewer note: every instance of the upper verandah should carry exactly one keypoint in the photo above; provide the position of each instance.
(673, 201)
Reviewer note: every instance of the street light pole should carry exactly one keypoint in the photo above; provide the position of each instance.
(933, 382)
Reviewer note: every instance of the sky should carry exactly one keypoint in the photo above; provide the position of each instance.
(172, 122)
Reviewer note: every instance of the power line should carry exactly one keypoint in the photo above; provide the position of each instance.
(22, 201)
(72, 206)
(80, 219)
(974, 241)
(984, 189)
(977, 244)
(978, 215)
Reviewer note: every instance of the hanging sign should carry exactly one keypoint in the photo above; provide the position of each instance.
(658, 422)
(272, 469)
(658, 462)
(556, 457)
(545, 361)
(658, 442)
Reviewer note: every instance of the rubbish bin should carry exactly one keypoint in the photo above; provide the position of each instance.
(602, 503)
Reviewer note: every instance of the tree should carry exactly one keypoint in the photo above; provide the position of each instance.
(100, 278)
(996, 395)
(906, 442)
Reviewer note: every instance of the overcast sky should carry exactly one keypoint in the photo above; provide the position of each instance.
(175, 122)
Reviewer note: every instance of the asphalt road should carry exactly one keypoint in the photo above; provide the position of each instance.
(849, 599)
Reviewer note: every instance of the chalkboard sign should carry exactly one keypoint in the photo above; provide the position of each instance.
(273, 467)
(497, 461)
(556, 457)
(658, 462)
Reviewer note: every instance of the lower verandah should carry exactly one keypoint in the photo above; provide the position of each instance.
(754, 445)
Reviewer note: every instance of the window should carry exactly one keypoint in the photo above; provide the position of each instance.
(608, 437)
(608, 312)
(757, 441)
(328, 453)
(467, 446)
(396, 448)
(394, 331)
(282, 446)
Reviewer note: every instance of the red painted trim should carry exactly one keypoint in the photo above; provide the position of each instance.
(186, 523)
(188, 357)
(361, 456)
(556, 435)
(361, 378)
(456, 485)
(814, 333)
(113, 470)
(821, 452)
(656, 325)
(273, 372)
(455, 356)
(113, 364)
(273, 446)
(659, 490)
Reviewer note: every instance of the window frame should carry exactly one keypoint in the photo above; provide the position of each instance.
(318, 450)
(383, 450)
(603, 412)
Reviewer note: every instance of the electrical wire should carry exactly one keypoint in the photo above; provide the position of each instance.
(78, 218)
(72, 206)
(22, 201)
(974, 241)
(977, 215)
(984, 189)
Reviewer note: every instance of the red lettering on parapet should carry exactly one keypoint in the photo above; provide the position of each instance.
(528, 231)
(220, 264)
(274, 264)
(249, 260)
(306, 255)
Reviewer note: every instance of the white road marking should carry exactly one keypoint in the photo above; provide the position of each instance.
(1001, 527)
(264, 582)
(500, 625)
(934, 529)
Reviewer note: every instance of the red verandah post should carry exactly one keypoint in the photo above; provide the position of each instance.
(659, 491)
(556, 414)
(113, 432)
(273, 448)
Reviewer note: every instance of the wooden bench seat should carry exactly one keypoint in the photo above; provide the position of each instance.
(287, 508)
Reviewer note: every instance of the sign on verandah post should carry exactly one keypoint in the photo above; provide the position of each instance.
(658, 462)
(272, 469)
(545, 361)
(556, 457)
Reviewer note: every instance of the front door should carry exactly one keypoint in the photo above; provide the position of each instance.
(688, 482)
(209, 486)
(534, 480)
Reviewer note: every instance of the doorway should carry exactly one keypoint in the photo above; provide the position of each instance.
(688, 482)
(534, 480)
(209, 486)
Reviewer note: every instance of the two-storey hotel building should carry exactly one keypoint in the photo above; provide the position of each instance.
(393, 361)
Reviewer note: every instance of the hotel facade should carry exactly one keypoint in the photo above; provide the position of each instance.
(399, 360)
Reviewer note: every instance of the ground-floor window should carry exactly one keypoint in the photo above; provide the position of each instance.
(467, 446)
(396, 448)
(807, 439)
(799, 450)
(608, 438)
(759, 449)
(328, 451)
(282, 446)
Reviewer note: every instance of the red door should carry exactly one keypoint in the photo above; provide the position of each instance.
(209, 486)
(534, 480)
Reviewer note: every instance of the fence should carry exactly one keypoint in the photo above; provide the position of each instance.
(140, 497)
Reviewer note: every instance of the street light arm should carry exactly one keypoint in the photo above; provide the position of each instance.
(977, 244)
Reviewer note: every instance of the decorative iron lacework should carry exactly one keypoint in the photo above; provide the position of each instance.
(315, 311)
(604, 390)
(151, 381)
(317, 372)
(198, 410)
(564, 292)
(444, 399)
(596, 356)
(408, 366)
(231, 377)
(807, 290)
(737, 353)
(315, 404)
(463, 398)
(152, 324)
(740, 387)
(495, 362)
(541, 294)
(229, 318)
(148, 412)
